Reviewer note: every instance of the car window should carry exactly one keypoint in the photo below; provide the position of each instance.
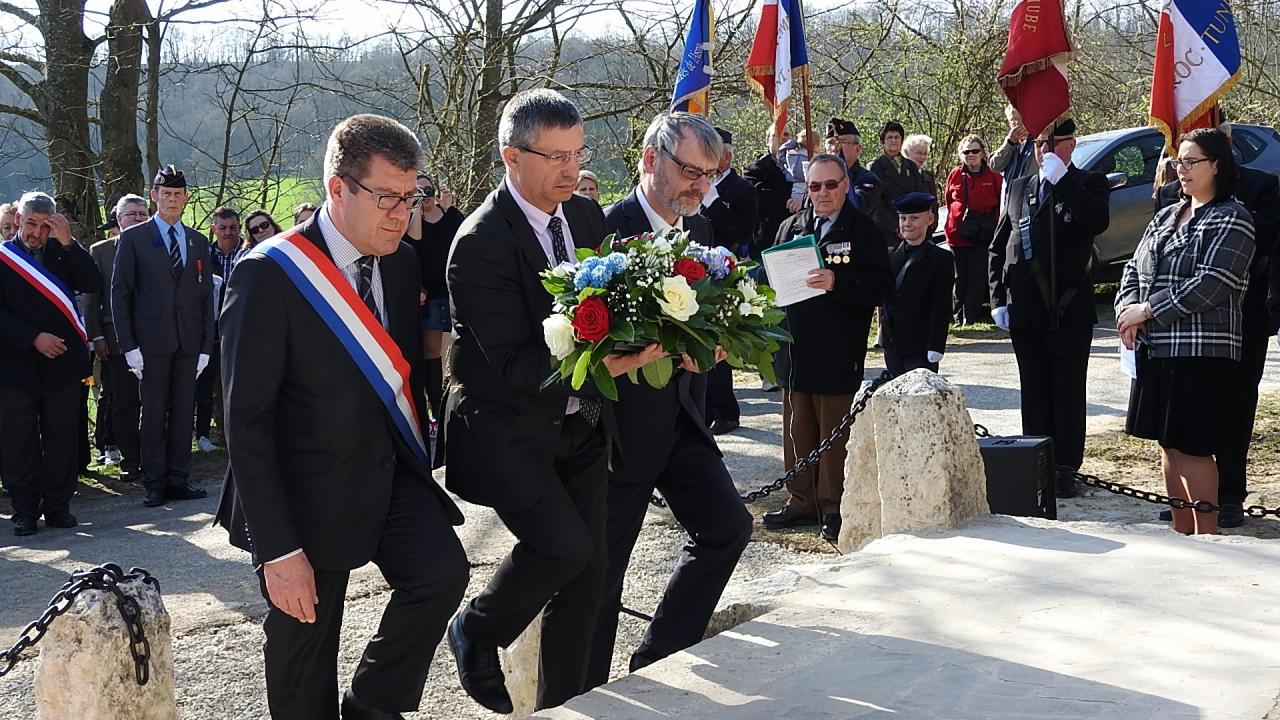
(1136, 158)
(1246, 146)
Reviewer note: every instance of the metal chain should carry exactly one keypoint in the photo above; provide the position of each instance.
(802, 464)
(103, 577)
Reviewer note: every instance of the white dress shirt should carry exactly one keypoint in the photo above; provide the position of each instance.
(656, 222)
(347, 258)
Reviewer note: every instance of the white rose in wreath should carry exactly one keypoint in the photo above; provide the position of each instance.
(557, 331)
(678, 300)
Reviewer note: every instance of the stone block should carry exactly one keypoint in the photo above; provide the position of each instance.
(520, 664)
(913, 463)
(86, 671)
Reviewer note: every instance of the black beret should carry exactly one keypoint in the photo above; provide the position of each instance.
(726, 137)
(1065, 128)
(110, 224)
(841, 127)
(914, 202)
(170, 177)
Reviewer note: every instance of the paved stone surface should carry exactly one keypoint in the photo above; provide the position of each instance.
(1001, 619)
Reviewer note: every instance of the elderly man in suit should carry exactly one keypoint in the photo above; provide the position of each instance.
(118, 382)
(45, 358)
(162, 309)
(537, 455)
(329, 470)
(1051, 335)
(917, 318)
(665, 443)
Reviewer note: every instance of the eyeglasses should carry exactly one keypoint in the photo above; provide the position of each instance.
(1049, 142)
(259, 228)
(828, 184)
(388, 201)
(1188, 163)
(133, 214)
(582, 155)
(691, 172)
(972, 152)
(850, 143)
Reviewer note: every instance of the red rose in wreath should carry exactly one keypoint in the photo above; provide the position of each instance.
(592, 319)
(732, 262)
(691, 270)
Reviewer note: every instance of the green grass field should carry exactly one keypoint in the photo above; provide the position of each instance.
(278, 197)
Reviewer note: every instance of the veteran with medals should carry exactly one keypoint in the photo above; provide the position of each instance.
(916, 320)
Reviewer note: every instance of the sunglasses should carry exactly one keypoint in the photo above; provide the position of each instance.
(973, 152)
(828, 184)
(259, 228)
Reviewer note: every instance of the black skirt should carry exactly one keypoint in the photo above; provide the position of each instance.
(1183, 403)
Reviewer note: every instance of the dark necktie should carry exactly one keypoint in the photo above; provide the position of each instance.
(364, 286)
(588, 408)
(817, 228)
(175, 254)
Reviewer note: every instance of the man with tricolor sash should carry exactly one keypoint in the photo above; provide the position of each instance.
(323, 384)
(44, 357)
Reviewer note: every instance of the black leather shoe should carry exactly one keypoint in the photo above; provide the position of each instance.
(831, 527)
(785, 518)
(479, 670)
(130, 475)
(62, 519)
(23, 526)
(1230, 515)
(185, 491)
(720, 427)
(1064, 486)
(354, 709)
(155, 498)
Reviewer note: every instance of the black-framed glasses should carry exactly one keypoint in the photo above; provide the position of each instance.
(1049, 142)
(134, 214)
(972, 152)
(389, 201)
(691, 172)
(582, 154)
(260, 228)
(828, 184)
(1188, 163)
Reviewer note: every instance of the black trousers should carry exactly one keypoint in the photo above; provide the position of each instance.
(104, 435)
(1233, 458)
(38, 452)
(1052, 370)
(721, 403)
(701, 495)
(899, 364)
(558, 563)
(970, 292)
(426, 567)
(168, 409)
(125, 410)
(209, 395)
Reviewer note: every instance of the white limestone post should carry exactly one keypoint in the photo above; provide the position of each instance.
(520, 664)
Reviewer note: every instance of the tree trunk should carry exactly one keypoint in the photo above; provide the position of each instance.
(489, 97)
(118, 103)
(62, 100)
(155, 43)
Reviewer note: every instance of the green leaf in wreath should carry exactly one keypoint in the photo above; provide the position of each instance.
(604, 381)
(658, 373)
(580, 369)
(623, 331)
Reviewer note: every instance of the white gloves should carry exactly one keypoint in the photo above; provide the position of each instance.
(1053, 168)
(934, 356)
(1000, 315)
(134, 359)
(201, 363)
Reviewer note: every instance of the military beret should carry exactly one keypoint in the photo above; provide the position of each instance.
(726, 137)
(170, 177)
(1065, 128)
(914, 202)
(841, 127)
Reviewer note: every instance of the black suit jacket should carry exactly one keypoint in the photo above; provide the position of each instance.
(25, 313)
(1083, 211)
(647, 416)
(503, 426)
(831, 330)
(1259, 193)
(152, 310)
(895, 183)
(733, 213)
(312, 448)
(917, 319)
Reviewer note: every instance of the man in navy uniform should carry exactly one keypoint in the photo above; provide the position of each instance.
(916, 320)
(845, 142)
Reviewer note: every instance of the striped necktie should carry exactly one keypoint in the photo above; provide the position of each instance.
(175, 253)
(364, 287)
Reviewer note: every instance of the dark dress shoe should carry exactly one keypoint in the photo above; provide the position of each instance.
(354, 709)
(1064, 486)
(129, 476)
(479, 670)
(154, 498)
(1230, 515)
(185, 491)
(1166, 515)
(831, 527)
(785, 518)
(62, 519)
(720, 427)
(23, 526)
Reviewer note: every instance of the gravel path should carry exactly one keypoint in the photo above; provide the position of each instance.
(213, 598)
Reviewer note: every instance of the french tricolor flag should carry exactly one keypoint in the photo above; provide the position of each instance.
(778, 56)
(1197, 62)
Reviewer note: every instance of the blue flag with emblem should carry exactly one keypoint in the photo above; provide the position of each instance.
(693, 77)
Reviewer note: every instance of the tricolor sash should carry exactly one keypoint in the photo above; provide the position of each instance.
(366, 341)
(45, 283)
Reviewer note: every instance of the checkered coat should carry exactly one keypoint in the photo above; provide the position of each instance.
(1194, 277)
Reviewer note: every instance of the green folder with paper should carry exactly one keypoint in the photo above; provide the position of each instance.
(788, 266)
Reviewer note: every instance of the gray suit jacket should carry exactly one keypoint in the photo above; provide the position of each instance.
(152, 309)
(96, 306)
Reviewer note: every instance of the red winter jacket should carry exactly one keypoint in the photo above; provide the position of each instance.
(983, 197)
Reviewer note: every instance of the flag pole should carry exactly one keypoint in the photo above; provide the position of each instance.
(804, 91)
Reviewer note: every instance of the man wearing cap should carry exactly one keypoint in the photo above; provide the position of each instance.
(118, 384)
(731, 204)
(1051, 334)
(45, 359)
(844, 140)
(162, 308)
(822, 368)
(917, 318)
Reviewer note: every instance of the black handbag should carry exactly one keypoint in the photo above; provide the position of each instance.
(975, 228)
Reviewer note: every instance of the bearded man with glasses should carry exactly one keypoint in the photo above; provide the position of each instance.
(822, 368)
